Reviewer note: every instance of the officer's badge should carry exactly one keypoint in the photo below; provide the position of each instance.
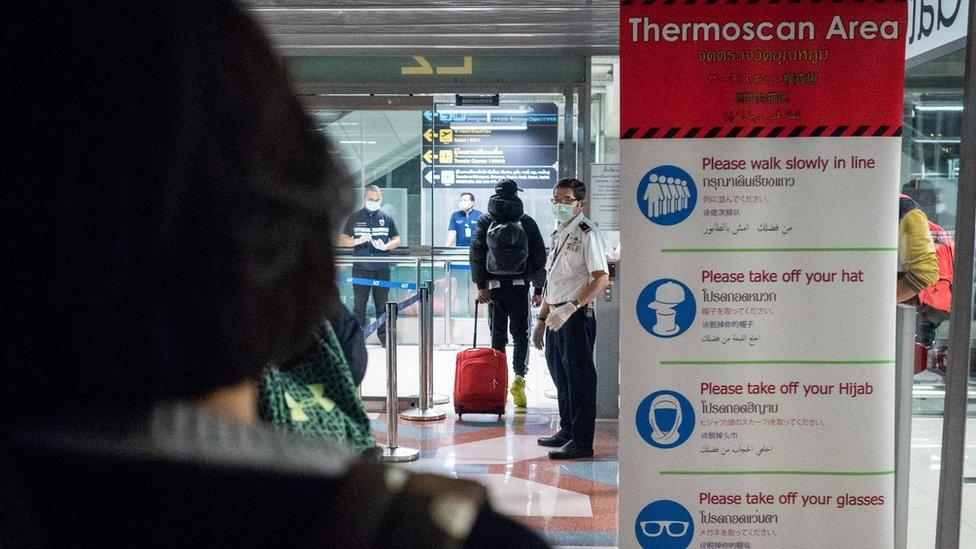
(382, 222)
(574, 244)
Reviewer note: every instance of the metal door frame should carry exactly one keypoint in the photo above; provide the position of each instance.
(960, 321)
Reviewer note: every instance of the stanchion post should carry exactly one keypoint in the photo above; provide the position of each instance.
(422, 393)
(424, 412)
(393, 452)
(904, 371)
(430, 342)
(433, 397)
(448, 303)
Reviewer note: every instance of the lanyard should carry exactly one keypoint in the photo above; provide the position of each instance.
(557, 251)
(555, 257)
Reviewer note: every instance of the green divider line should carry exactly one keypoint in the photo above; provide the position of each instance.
(755, 250)
(791, 473)
(760, 362)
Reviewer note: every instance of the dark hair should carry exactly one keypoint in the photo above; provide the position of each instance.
(917, 183)
(175, 230)
(579, 188)
(468, 194)
(922, 191)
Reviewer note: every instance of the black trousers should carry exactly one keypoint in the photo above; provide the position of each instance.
(569, 353)
(361, 296)
(510, 313)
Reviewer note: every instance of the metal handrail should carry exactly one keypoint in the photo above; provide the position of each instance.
(350, 259)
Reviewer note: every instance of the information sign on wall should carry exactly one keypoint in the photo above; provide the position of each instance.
(759, 176)
(604, 196)
(473, 147)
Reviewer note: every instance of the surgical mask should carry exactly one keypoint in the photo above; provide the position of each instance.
(465, 205)
(372, 205)
(562, 212)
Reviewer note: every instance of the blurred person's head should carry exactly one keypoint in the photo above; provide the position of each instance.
(466, 202)
(172, 210)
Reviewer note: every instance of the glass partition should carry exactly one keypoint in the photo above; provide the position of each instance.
(522, 138)
(378, 140)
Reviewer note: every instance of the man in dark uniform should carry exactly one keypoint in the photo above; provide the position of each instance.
(576, 273)
(371, 232)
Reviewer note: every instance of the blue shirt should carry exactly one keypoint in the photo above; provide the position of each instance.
(376, 225)
(464, 225)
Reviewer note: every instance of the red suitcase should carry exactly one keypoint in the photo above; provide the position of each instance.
(480, 379)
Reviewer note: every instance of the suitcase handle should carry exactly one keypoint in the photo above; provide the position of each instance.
(474, 344)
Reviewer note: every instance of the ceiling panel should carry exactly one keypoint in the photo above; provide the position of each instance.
(416, 27)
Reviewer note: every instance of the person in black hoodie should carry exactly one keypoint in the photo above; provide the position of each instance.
(507, 254)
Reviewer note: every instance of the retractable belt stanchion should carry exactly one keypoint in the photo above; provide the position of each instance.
(392, 452)
(448, 306)
(424, 412)
(434, 398)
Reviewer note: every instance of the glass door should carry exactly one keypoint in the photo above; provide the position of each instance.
(377, 138)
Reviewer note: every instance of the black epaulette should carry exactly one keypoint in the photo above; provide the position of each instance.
(585, 226)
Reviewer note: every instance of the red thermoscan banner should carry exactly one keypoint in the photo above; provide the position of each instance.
(759, 173)
(757, 69)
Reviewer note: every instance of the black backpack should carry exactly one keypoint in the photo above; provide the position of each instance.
(508, 248)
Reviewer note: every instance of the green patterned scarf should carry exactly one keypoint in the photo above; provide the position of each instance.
(317, 397)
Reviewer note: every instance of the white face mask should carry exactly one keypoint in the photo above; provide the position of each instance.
(562, 212)
(372, 205)
(940, 208)
(465, 205)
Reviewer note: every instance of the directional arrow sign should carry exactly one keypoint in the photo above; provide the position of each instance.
(429, 135)
(428, 156)
(429, 176)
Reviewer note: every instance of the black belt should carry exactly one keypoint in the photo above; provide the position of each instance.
(588, 305)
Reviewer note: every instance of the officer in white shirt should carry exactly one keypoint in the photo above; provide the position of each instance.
(576, 273)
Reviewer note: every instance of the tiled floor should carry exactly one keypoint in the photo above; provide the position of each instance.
(924, 476)
(575, 503)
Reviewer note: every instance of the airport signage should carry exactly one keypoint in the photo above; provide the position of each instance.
(760, 147)
(935, 23)
(476, 147)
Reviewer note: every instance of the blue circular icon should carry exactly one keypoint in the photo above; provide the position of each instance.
(665, 419)
(666, 308)
(664, 524)
(667, 195)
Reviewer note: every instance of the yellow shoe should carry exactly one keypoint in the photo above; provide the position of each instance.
(518, 392)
